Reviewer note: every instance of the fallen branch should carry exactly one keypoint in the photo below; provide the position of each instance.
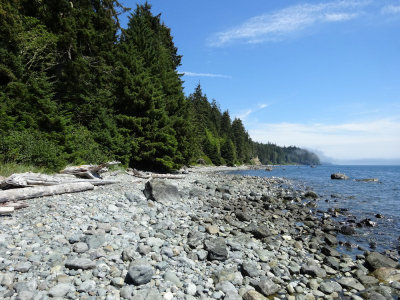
(40, 191)
(34, 179)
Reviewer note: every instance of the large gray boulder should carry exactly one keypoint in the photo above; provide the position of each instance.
(161, 191)
(217, 249)
(375, 260)
(266, 286)
(139, 272)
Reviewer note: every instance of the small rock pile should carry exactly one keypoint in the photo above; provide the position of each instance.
(208, 236)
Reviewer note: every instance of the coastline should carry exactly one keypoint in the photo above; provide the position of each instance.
(210, 235)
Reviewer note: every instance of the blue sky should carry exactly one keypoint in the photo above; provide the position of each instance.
(323, 75)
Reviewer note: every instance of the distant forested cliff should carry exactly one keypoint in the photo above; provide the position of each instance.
(76, 88)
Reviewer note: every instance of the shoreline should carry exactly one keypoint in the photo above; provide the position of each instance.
(210, 235)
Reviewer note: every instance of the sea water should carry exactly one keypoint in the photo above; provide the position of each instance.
(357, 200)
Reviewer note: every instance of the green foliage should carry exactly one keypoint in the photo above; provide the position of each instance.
(76, 88)
(30, 148)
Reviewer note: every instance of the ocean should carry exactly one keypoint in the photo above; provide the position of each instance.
(357, 200)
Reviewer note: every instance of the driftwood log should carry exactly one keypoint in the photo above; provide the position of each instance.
(34, 179)
(149, 175)
(6, 210)
(40, 191)
(89, 171)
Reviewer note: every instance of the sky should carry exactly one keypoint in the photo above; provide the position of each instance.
(321, 75)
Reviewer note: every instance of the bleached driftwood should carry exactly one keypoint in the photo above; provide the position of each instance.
(6, 210)
(40, 191)
(89, 171)
(34, 179)
(15, 205)
(149, 175)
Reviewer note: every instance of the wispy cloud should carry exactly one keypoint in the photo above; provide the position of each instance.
(193, 74)
(243, 115)
(390, 9)
(353, 140)
(285, 22)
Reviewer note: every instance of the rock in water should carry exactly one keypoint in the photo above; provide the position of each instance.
(339, 176)
(161, 191)
(217, 249)
(375, 260)
(311, 194)
(140, 272)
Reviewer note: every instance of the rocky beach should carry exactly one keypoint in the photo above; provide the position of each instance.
(209, 235)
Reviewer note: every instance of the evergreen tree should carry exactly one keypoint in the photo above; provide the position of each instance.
(151, 104)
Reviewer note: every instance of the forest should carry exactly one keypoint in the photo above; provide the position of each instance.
(76, 87)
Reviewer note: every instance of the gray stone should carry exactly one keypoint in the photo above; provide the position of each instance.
(229, 289)
(80, 247)
(258, 231)
(375, 260)
(266, 286)
(127, 292)
(195, 239)
(140, 272)
(30, 286)
(118, 282)
(80, 263)
(129, 254)
(250, 268)
(161, 191)
(171, 277)
(328, 287)
(87, 286)
(253, 295)
(155, 242)
(191, 289)
(95, 241)
(350, 282)
(217, 249)
(23, 267)
(25, 295)
(332, 262)
(313, 270)
(329, 251)
(60, 290)
(330, 239)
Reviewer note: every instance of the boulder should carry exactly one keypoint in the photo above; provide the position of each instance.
(139, 272)
(161, 191)
(339, 176)
(387, 274)
(375, 260)
(313, 270)
(266, 286)
(350, 283)
(217, 249)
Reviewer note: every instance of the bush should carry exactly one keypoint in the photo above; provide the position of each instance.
(30, 148)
